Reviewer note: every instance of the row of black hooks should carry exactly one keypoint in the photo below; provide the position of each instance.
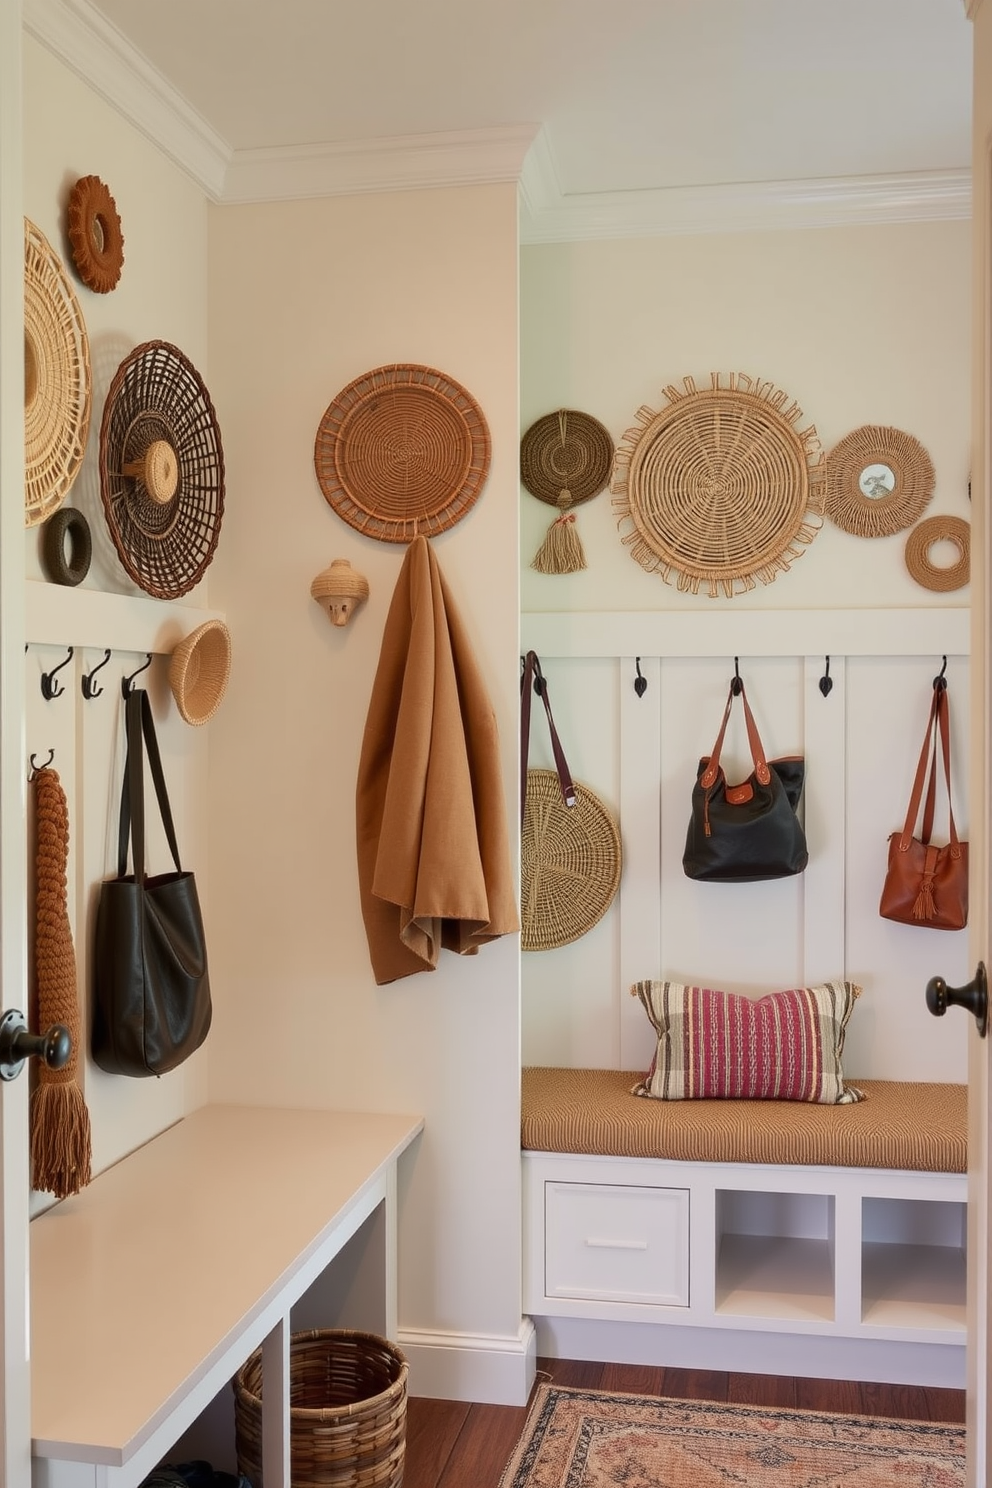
(51, 687)
(825, 683)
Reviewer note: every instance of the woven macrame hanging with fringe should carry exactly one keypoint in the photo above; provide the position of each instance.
(565, 460)
(724, 486)
(60, 1121)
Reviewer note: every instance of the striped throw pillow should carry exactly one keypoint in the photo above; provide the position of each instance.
(721, 1045)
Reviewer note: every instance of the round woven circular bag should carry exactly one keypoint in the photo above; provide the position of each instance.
(571, 859)
(57, 380)
(161, 470)
(403, 450)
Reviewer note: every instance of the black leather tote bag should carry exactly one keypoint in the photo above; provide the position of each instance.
(151, 990)
(746, 832)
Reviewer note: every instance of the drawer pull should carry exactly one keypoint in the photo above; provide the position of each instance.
(617, 1244)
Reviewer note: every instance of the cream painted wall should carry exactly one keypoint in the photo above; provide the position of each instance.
(303, 298)
(858, 325)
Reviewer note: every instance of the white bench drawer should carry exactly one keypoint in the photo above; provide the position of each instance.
(615, 1243)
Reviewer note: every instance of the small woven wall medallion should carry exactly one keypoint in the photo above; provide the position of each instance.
(720, 488)
(570, 863)
(95, 234)
(924, 537)
(565, 459)
(57, 380)
(879, 481)
(161, 470)
(403, 450)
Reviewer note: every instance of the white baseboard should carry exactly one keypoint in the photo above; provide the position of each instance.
(878, 1360)
(493, 1370)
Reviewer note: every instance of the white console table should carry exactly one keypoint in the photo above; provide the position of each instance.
(151, 1287)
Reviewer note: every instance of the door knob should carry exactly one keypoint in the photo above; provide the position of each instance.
(53, 1046)
(973, 997)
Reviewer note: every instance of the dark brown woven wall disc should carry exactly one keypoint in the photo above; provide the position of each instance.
(924, 536)
(566, 458)
(161, 470)
(879, 481)
(403, 450)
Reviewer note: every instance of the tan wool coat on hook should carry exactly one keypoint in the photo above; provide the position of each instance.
(433, 849)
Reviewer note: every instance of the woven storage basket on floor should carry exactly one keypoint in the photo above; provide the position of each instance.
(347, 1410)
(570, 863)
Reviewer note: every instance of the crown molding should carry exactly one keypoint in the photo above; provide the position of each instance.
(96, 51)
(549, 216)
(404, 163)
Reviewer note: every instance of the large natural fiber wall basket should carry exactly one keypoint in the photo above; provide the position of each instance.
(347, 1411)
(57, 380)
(570, 863)
(199, 669)
(403, 450)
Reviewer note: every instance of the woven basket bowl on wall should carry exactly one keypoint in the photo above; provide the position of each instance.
(403, 450)
(571, 860)
(57, 380)
(161, 470)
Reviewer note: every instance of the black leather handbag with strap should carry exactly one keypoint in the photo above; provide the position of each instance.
(749, 831)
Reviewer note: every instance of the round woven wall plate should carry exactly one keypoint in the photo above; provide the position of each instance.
(879, 481)
(925, 536)
(570, 863)
(719, 488)
(402, 451)
(57, 380)
(95, 234)
(161, 470)
(566, 458)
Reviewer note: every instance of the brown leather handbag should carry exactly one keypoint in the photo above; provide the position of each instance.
(926, 885)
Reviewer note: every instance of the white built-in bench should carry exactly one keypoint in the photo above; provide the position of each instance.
(758, 1235)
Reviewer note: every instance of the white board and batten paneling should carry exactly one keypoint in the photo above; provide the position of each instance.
(861, 743)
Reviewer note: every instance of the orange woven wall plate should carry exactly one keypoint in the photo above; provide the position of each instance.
(721, 487)
(402, 450)
(95, 234)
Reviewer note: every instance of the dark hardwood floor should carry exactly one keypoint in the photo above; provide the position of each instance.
(454, 1445)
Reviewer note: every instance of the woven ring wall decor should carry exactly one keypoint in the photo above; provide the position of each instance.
(57, 380)
(161, 470)
(721, 487)
(67, 546)
(403, 450)
(879, 481)
(924, 536)
(570, 863)
(566, 458)
(95, 235)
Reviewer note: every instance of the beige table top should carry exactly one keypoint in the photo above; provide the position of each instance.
(145, 1279)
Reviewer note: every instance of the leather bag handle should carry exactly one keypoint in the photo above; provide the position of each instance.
(937, 739)
(761, 770)
(533, 679)
(138, 721)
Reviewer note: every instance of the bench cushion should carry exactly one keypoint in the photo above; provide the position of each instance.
(900, 1124)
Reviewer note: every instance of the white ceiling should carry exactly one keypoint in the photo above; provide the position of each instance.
(624, 96)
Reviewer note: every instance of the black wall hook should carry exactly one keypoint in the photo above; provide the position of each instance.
(640, 681)
(737, 685)
(90, 688)
(128, 682)
(35, 765)
(940, 681)
(49, 687)
(826, 681)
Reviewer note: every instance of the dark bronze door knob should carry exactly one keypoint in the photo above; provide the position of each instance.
(974, 998)
(53, 1046)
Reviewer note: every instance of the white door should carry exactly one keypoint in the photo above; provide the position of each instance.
(15, 1415)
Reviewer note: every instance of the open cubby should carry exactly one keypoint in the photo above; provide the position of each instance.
(913, 1263)
(775, 1254)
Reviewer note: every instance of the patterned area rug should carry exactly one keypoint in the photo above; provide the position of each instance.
(586, 1439)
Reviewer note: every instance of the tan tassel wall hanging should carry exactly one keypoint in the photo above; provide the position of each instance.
(61, 1144)
(565, 459)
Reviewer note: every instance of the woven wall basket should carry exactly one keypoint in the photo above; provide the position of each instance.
(720, 488)
(570, 863)
(879, 481)
(566, 458)
(161, 470)
(403, 450)
(924, 536)
(57, 380)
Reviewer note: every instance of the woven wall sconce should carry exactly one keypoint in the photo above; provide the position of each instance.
(339, 590)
